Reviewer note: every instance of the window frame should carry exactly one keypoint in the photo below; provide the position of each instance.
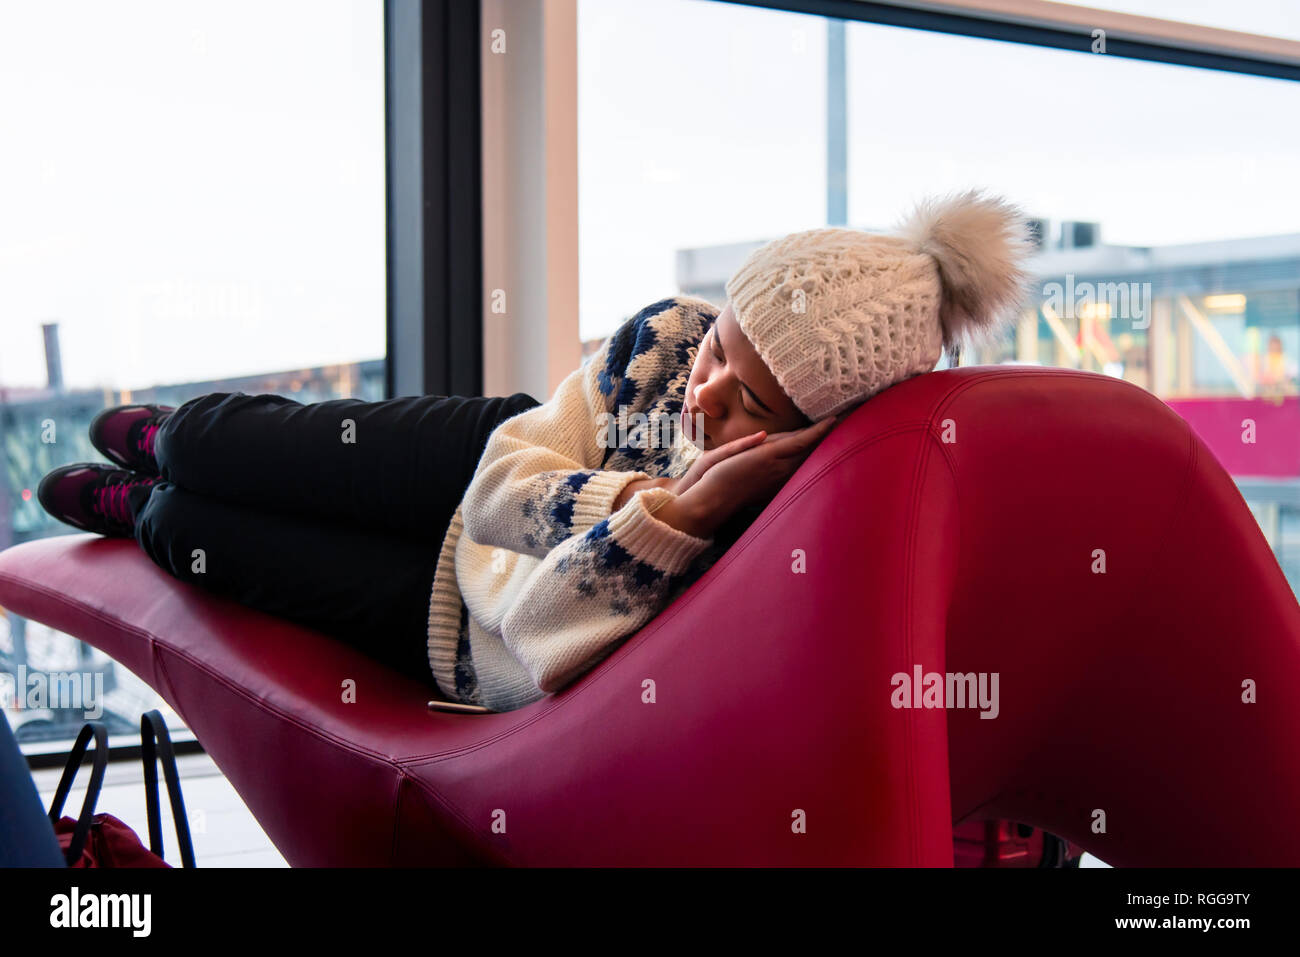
(434, 191)
(1068, 27)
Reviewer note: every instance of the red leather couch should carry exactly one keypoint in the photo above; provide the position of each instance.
(958, 522)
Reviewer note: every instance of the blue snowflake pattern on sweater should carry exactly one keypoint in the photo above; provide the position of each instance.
(601, 570)
(552, 511)
(655, 386)
(623, 580)
(466, 679)
(635, 337)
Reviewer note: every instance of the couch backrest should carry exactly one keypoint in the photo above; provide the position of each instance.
(1100, 562)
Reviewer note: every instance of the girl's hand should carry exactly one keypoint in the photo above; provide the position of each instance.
(702, 464)
(707, 460)
(748, 470)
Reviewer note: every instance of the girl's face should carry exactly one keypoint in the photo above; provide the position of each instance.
(731, 392)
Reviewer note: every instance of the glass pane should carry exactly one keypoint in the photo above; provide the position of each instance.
(699, 124)
(1158, 155)
(1169, 252)
(191, 200)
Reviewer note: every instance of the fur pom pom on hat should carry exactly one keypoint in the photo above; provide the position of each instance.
(839, 314)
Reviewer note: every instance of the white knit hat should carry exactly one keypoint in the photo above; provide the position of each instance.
(838, 314)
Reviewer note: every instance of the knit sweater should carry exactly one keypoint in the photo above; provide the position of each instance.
(539, 578)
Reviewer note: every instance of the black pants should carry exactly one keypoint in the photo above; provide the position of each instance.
(330, 514)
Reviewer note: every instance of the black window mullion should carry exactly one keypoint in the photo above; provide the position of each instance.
(434, 197)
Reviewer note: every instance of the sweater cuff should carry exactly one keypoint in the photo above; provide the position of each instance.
(648, 539)
(595, 500)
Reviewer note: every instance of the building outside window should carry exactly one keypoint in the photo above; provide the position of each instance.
(197, 206)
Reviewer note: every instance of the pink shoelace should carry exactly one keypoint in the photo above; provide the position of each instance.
(111, 502)
(145, 442)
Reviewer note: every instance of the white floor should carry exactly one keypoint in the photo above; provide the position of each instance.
(224, 833)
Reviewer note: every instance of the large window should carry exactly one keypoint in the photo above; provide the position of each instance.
(191, 200)
(1170, 250)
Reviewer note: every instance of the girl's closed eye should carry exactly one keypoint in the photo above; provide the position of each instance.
(714, 346)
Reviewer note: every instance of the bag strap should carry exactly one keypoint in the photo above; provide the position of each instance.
(82, 832)
(152, 726)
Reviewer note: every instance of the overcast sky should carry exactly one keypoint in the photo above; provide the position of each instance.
(195, 189)
(704, 123)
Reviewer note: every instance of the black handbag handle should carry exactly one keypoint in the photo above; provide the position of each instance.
(82, 832)
(152, 726)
